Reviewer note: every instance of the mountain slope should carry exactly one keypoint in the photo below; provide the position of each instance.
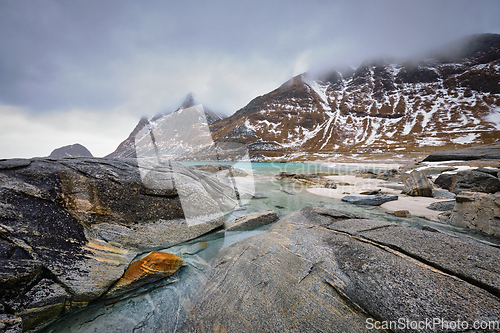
(449, 100)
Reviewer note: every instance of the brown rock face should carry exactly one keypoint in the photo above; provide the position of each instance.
(153, 267)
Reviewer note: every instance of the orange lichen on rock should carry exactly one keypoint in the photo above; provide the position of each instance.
(152, 267)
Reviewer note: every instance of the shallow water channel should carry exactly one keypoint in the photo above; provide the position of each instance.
(163, 306)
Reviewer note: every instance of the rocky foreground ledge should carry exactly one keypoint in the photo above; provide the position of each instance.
(321, 270)
(69, 228)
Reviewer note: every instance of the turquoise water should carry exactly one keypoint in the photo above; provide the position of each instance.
(286, 197)
(274, 168)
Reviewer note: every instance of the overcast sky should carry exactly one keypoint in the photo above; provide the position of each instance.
(86, 71)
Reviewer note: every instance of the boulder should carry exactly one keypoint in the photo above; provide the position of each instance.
(493, 172)
(402, 213)
(417, 184)
(70, 227)
(478, 211)
(369, 200)
(473, 181)
(442, 206)
(319, 270)
(252, 220)
(388, 175)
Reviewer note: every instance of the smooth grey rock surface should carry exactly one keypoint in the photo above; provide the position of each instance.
(318, 270)
(369, 200)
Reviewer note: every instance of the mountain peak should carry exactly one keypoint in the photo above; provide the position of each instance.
(188, 101)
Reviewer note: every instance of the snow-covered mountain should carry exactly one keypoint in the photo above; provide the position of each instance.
(182, 134)
(451, 100)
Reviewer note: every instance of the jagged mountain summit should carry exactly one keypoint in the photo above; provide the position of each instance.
(177, 134)
(451, 100)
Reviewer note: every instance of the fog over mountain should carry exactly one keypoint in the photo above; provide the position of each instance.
(87, 71)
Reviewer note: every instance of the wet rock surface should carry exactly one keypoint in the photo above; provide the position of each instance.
(323, 270)
(70, 227)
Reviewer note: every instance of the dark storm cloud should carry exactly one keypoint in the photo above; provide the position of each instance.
(63, 54)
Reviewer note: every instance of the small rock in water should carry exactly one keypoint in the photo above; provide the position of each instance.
(151, 268)
(442, 206)
(376, 200)
(402, 213)
(374, 192)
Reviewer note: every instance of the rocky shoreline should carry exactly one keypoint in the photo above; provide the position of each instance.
(76, 232)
